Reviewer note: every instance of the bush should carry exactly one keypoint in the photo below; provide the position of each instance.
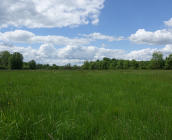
(2, 67)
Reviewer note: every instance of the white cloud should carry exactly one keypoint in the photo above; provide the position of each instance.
(168, 23)
(104, 45)
(100, 36)
(49, 13)
(21, 36)
(167, 50)
(144, 54)
(159, 37)
(47, 53)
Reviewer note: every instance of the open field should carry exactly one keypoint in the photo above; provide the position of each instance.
(85, 104)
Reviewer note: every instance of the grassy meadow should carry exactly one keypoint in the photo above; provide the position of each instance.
(85, 104)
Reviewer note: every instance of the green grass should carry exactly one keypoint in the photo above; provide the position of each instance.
(85, 104)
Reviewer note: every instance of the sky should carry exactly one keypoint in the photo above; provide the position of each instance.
(73, 31)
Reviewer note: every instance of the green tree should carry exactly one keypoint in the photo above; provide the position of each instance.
(168, 62)
(4, 58)
(134, 64)
(120, 64)
(98, 64)
(25, 65)
(32, 64)
(39, 66)
(113, 65)
(75, 67)
(55, 66)
(15, 61)
(104, 64)
(157, 60)
(0, 62)
(126, 64)
(86, 65)
(68, 66)
(93, 65)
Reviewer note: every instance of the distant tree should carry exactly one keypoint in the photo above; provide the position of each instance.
(134, 64)
(32, 64)
(25, 65)
(98, 64)
(168, 62)
(55, 66)
(47, 65)
(44, 67)
(86, 65)
(75, 67)
(113, 60)
(113, 65)
(104, 64)
(97, 60)
(61, 67)
(157, 60)
(15, 61)
(0, 62)
(4, 58)
(106, 59)
(39, 66)
(126, 64)
(108, 65)
(50, 67)
(93, 65)
(120, 64)
(68, 66)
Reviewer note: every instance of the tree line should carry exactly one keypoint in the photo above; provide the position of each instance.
(15, 61)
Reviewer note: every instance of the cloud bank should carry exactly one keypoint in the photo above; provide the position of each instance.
(49, 13)
(22, 36)
(47, 53)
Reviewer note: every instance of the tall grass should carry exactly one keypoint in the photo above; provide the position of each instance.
(85, 104)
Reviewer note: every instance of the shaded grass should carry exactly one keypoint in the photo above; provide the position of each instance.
(85, 104)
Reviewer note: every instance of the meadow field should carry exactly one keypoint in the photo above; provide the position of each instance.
(85, 104)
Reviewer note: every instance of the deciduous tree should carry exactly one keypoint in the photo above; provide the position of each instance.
(32, 64)
(4, 58)
(168, 62)
(157, 60)
(15, 61)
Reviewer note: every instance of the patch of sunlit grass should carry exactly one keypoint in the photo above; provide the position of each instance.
(85, 104)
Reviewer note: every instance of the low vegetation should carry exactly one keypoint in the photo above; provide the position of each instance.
(86, 104)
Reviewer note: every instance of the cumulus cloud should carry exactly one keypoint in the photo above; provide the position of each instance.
(159, 37)
(22, 36)
(168, 23)
(146, 54)
(100, 36)
(7, 44)
(47, 53)
(104, 45)
(49, 13)
(167, 50)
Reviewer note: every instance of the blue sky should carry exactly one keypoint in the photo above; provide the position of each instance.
(72, 31)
